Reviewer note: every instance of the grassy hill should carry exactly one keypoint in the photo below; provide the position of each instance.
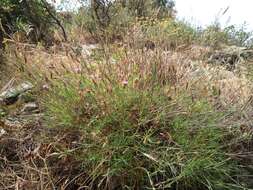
(141, 103)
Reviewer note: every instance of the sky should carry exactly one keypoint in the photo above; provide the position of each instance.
(204, 12)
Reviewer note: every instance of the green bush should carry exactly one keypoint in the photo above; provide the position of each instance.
(141, 139)
(239, 36)
(214, 36)
(34, 18)
(120, 21)
(169, 34)
(111, 20)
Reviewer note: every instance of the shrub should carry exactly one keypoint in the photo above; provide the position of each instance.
(120, 20)
(171, 34)
(130, 117)
(110, 20)
(34, 18)
(136, 136)
(214, 36)
(238, 35)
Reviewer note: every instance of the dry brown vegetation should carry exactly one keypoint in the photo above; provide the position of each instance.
(126, 115)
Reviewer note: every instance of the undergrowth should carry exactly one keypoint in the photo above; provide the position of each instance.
(143, 110)
(133, 138)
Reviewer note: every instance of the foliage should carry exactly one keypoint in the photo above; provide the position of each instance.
(112, 18)
(168, 33)
(239, 35)
(144, 113)
(133, 132)
(150, 8)
(34, 18)
(215, 36)
(139, 138)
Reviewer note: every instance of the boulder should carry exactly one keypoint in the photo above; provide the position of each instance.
(31, 107)
(247, 54)
(228, 60)
(11, 95)
(231, 56)
(87, 49)
(2, 132)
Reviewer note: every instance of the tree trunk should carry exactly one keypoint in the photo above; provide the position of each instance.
(58, 22)
(1, 40)
(1, 46)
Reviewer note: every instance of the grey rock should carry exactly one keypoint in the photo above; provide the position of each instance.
(229, 60)
(30, 108)
(19, 121)
(231, 56)
(87, 49)
(11, 95)
(2, 132)
(247, 54)
(84, 50)
(45, 87)
(12, 122)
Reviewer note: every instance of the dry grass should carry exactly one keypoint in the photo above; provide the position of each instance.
(133, 94)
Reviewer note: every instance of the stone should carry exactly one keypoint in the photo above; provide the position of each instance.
(87, 49)
(11, 95)
(12, 122)
(230, 56)
(30, 108)
(247, 54)
(45, 87)
(229, 60)
(2, 132)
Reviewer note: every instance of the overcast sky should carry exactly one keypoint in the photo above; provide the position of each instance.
(204, 12)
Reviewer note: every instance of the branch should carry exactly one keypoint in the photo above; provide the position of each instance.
(56, 20)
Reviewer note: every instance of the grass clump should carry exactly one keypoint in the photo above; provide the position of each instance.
(140, 107)
(140, 138)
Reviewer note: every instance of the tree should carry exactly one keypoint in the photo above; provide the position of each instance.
(146, 8)
(165, 7)
(110, 19)
(101, 12)
(37, 15)
(102, 9)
